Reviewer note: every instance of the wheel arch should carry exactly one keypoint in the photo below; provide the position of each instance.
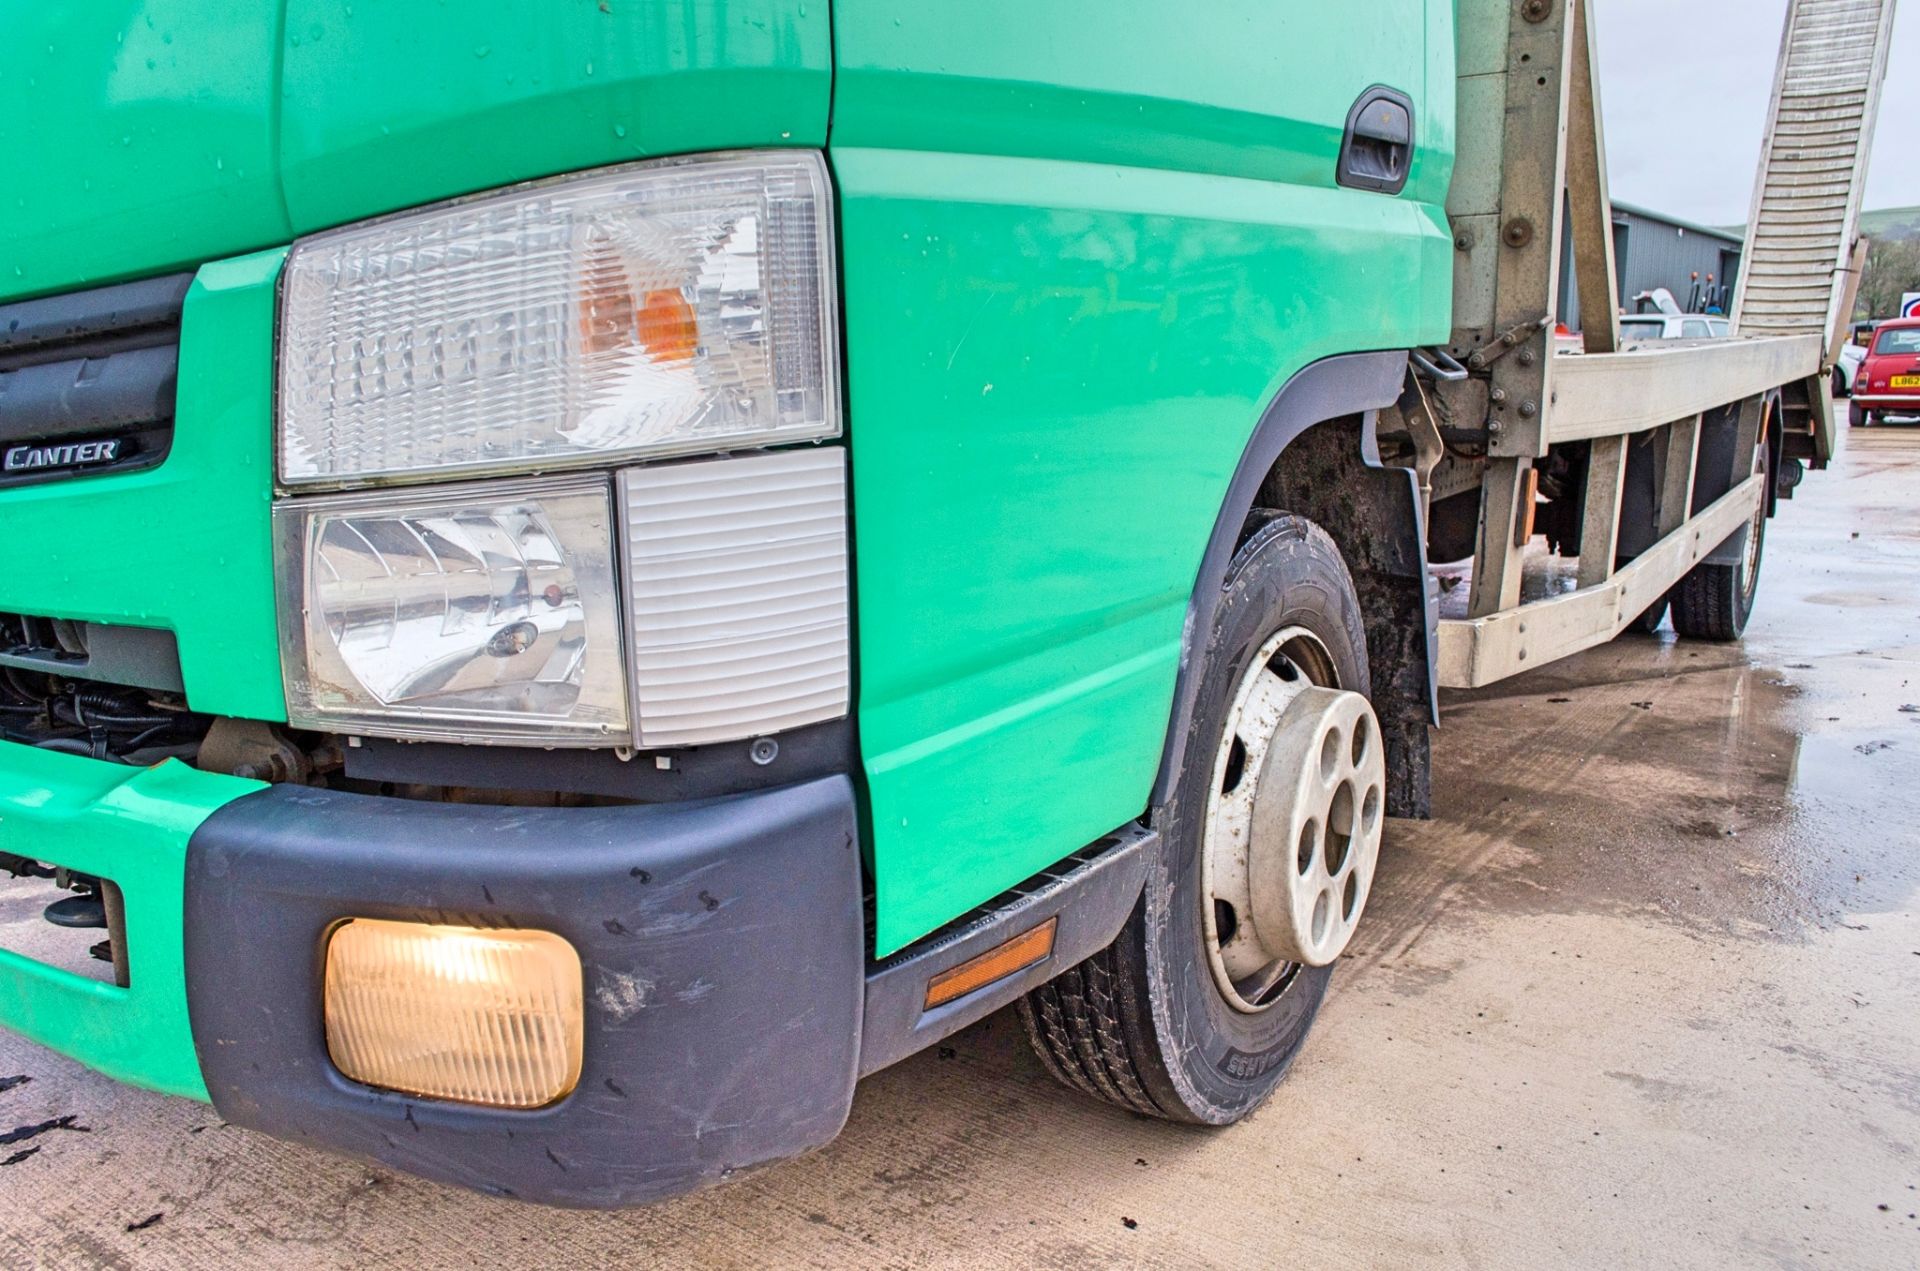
(1314, 453)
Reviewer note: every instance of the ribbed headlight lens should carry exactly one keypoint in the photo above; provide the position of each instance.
(467, 613)
(675, 307)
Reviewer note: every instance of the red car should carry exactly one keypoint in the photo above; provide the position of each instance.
(1888, 382)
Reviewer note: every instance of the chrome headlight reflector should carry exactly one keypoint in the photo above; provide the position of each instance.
(675, 307)
(484, 612)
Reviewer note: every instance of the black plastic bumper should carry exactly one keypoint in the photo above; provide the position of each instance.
(721, 941)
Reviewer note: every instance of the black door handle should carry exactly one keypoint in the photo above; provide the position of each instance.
(1377, 151)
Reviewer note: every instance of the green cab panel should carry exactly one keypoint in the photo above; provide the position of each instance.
(129, 825)
(1084, 246)
(139, 138)
(186, 134)
(393, 105)
(186, 546)
(148, 136)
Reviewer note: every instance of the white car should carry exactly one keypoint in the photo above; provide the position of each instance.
(1852, 354)
(1673, 326)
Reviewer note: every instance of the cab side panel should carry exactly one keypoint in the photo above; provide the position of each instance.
(1085, 244)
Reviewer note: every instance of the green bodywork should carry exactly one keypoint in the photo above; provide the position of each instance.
(129, 825)
(1083, 246)
(145, 136)
(185, 546)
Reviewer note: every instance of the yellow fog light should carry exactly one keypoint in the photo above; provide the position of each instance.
(489, 1017)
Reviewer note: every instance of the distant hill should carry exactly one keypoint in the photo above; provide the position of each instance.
(1891, 223)
(1887, 224)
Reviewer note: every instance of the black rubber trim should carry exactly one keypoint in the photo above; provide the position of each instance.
(58, 401)
(722, 943)
(1091, 892)
(1349, 384)
(692, 772)
(87, 380)
(90, 323)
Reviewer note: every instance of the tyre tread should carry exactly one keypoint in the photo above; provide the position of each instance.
(1074, 1025)
(1704, 603)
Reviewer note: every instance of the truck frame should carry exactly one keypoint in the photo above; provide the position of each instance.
(1529, 95)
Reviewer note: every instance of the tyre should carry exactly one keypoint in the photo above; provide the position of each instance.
(1649, 621)
(1839, 385)
(1858, 416)
(1269, 845)
(1713, 602)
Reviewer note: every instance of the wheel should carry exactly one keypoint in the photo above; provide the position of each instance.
(1269, 846)
(1839, 383)
(1649, 621)
(1713, 602)
(1858, 416)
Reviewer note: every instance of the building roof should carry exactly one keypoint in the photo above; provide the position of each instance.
(1647, 214)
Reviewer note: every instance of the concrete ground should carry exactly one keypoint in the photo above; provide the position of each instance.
(1666, 1012)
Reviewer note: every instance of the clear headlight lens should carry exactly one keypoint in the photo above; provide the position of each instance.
(470, 613)
(675, 307)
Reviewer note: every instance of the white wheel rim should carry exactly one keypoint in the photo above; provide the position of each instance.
(1294, 821)
(1750, 555)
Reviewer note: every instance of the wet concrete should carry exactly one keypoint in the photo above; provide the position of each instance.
(1647, 992)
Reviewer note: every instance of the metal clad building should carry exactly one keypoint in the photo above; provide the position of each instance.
(1651, 250)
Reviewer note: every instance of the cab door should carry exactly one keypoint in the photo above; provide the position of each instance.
(1084, 244)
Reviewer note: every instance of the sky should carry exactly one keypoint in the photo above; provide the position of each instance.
(1684, 87)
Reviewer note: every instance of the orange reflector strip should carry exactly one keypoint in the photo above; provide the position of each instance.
(997, 963)
(1529, 501)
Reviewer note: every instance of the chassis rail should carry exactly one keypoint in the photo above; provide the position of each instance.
(1533, 184)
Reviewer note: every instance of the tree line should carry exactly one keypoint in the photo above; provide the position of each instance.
(1893, 269)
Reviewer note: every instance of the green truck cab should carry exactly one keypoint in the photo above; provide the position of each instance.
(581, 575)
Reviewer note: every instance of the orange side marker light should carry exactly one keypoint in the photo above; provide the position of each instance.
(1029, 948)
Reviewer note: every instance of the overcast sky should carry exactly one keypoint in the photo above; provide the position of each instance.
(1684, 86)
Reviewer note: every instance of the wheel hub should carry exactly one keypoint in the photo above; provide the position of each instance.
(1316, 826)
(1294, 822)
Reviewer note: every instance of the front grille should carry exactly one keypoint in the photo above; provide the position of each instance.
(87, 380)
(143, 657)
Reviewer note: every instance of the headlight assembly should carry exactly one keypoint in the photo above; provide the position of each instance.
(675, 307)
(654, 312)
(670, 605)
(482, 612)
